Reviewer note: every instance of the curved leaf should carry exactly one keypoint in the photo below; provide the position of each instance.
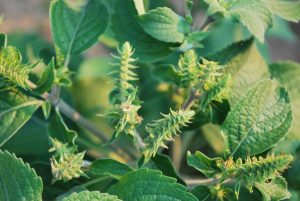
(288, 74)
(258, 121)
(162, 24)
(15, 110)
(77, 27)
(127, 28)
(150, 185)
(17, 180)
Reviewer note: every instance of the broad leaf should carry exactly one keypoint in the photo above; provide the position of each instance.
(76, 27)
(3, 40)
(47, 78)
(90, 196)
(17, 180)
(288, 10)
(15, 110)
(127, 28)
(109, 167)
(258, 121)
(245, 65)
(275, 190)
(207, 166)
(150, 185)
(288, 74)
(162, 24)
(164, 164)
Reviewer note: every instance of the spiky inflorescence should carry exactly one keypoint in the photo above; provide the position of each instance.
(124, 76)
(66, 163)
(67, 167)
(164, 129)
(255, 169)
(125, 116)
(188, 69)
(11, 68)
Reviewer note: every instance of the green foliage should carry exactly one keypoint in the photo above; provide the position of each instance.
(209, 80)
(164, 130)
(150, 185)
(258, 121)
(286, 72)
(109, 167)
(163, 25)
(18, 180)
(90, 196)
(256, 15)
(15, 110)
(70, 20)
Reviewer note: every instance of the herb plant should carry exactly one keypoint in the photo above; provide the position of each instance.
(170, 115)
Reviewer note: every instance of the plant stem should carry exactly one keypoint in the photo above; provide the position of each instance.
(81, 121)
(94, 181)
(207, 182)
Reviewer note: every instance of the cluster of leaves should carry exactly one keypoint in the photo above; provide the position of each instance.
(251, 104)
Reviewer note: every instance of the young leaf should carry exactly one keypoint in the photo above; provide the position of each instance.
(287, 73)
(18, 180)
(245, 64)
(165, 129)
(162, 24)
(288, 10)
(274, 190)
(90, 196)
(3, 40)
(127, 28)
(258, 121)
(47, 78)
(77, 27)
(109, 167)
(150, 185)
(208, 166)
(15, 110)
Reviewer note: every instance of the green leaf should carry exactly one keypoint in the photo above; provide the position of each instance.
(90, 196)
(214, 6)
(245, 65)
(150, 185)
(253, 14)
(164, 164)
(162, 24)
(47, 78)
(287, 73)
(15, 110)
(127, 28)
(17, 180)
(288, 10)
(58, 130)
(274, 190)
(109, 167)
(77, 27)
(3, 40)
(201, 192)
(199, 161)
(258, 121)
